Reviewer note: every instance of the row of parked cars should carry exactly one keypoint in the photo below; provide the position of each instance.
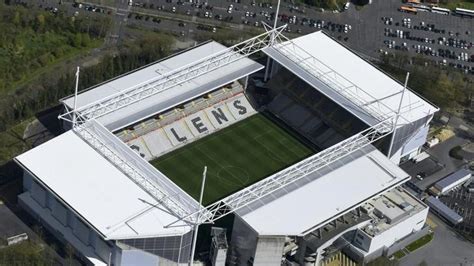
(428, 50)
(90, 8)
(428, 44)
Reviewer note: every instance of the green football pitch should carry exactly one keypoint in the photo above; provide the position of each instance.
(236, 156)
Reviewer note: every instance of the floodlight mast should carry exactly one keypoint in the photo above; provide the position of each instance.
(272, 42)
(74, 116)
(173, 78)
(276, 19)
(196, 225)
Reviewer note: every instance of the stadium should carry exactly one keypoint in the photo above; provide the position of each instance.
(302, 154)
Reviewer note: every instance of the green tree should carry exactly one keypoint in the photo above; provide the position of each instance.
(40, 20)
(77, 40)
(16, 18)
(85, 40)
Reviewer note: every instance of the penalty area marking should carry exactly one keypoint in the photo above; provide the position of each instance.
(272, 155)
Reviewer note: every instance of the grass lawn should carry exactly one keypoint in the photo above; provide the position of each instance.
(419, 243)
(236, 156)
(399, 254)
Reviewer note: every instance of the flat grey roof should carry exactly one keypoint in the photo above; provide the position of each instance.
(453, 178)
(443, 210)
(171, 97)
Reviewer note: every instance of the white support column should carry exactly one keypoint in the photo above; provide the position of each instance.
(272, 41)
(175, 77)
(74, 121)
(196, 225)
(389, 154)
(246, 82)
(267, 69)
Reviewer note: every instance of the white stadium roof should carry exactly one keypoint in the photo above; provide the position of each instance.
(375, 90)
(170, 97)
(94, 188)
(109, 201)
(327, 194)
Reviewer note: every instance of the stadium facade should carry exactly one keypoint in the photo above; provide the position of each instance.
(96, 185)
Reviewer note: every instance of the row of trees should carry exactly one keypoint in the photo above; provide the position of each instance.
(327, 4)
(31, 39)
(46, 91)
(26, 253)
(445, 87)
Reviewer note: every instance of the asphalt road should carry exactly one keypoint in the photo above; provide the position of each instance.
(447, 248)
(120, 18)
(439, 165)
(441, 153)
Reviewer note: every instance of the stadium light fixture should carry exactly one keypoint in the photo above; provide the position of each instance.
(276, 19)
(173, 78)
(74, 118)
(275, 22)
(196, 225)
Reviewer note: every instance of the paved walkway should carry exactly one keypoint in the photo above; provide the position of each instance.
(447, 248)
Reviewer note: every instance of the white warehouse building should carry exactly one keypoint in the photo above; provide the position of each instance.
(93, 186)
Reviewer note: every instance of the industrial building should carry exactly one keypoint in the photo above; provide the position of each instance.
(451, 181)
(94, 187)
(444, 211)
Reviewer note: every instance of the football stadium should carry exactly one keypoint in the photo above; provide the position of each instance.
(301, 139)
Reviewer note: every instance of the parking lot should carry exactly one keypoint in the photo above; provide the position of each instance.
(445, 47)
(378, 28)
(462, 202)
